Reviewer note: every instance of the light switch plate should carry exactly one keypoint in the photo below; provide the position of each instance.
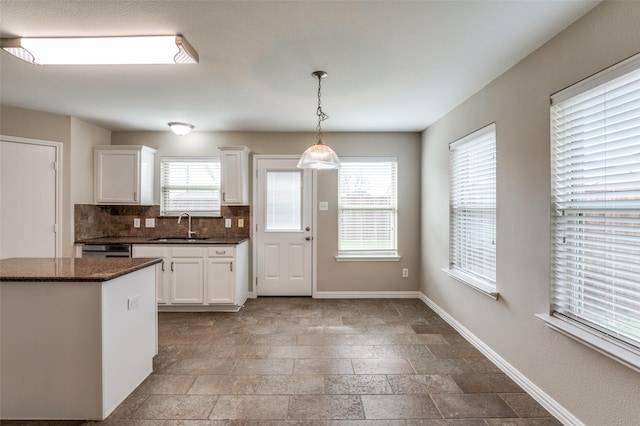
(323, 206)
(227, 223)
(240, 223)
(136, 222)
(150, 223)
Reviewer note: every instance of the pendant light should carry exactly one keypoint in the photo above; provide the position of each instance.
(319, 155)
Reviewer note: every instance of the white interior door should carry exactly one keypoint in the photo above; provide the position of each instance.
(28, 199)
(283, 237)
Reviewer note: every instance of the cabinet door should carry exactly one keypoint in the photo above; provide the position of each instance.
(117, 176)
(187, 279)
(234, 169)
(162, 279)
(220, 281)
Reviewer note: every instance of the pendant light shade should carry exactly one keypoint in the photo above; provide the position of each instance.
(319, 155)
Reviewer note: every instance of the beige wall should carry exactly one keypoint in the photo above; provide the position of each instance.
(83, 137)
(592, 387)
(332, 275)
(76, 137)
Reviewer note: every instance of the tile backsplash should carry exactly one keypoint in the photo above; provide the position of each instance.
(94, 221)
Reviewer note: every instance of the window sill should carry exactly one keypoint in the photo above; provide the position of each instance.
(367, 258)
(474, 283)
(193, 215)
(608, 347)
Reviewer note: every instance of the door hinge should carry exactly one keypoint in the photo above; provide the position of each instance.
(55, 165)
(256, 281)
(55, 228)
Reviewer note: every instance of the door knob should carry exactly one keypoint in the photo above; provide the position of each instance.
(307, 238)
(307, 229)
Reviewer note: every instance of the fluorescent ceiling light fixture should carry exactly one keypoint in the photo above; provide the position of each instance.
(181, 128)
(135, 50)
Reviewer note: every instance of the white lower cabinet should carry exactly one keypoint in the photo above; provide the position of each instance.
(162, 275)
(220, 281)
(200, 277)
(186, 275)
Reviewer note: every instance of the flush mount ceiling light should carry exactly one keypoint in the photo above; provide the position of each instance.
(180, 128)
(319, 155)
(135, 50)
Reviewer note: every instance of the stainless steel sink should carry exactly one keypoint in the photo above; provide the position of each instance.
(179, 239)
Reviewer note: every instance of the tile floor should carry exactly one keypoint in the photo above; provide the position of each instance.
(303, 361)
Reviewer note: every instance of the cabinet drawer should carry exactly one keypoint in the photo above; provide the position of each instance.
(187, 252)
(221, 251)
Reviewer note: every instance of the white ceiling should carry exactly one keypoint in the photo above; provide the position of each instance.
(392, 65)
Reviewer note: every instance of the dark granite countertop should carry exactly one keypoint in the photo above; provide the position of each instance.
(163, 240)
(69, 269)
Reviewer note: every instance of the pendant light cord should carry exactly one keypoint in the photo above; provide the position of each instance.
(321, 115)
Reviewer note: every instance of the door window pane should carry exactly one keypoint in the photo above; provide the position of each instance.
(284, 201)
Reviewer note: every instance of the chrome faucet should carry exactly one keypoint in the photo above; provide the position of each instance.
(190, 233)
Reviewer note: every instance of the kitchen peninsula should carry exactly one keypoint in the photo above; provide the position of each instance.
(77, 336)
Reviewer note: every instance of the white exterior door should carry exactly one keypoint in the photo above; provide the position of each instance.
(284, 219)
(28, 198)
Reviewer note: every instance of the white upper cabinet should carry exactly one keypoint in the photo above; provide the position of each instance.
(234, 162)
(123, 174)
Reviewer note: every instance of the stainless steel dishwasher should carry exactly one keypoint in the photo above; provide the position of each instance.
(106, 250)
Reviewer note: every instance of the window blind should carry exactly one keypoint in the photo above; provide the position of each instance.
(283, 207)
(595, 157)
(367, 206)
(472, 197)
(190, 185)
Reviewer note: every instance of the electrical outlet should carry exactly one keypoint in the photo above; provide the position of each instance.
(323, 206)
(133, 302)
(240, 223)
(150, 223)
(136, 222)
(405, 272)
(227, 223)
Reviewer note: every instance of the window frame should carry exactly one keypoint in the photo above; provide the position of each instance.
(194, 213)
(577, 324)
(361, 254)
(460, 243)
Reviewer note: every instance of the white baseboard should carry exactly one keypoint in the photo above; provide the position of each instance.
(550, 404)
(367, 294)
